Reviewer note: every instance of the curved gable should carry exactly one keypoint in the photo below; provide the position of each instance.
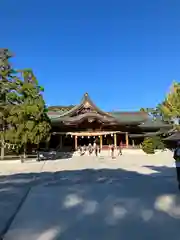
(86, 106)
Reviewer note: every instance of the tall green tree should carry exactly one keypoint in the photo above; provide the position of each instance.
(28, 119)
(170, 107)
(7, 85)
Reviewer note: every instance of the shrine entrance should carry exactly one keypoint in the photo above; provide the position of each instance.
(88, 129)
(103, 139)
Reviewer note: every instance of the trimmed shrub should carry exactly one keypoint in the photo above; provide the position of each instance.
(148, 146)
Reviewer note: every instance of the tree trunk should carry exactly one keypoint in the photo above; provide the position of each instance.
(2, 148)
(2, 141)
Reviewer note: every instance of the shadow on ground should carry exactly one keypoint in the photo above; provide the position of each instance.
(93, 204)
(64, 154)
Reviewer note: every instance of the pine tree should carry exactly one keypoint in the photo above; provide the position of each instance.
(23, 114)
(7, 84)
(29, 121)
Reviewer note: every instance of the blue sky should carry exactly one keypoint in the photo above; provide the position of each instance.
(125, 53)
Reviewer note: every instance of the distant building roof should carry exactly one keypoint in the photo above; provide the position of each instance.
(147, 134)
(59, 109)
(174, 137)
(129, 117)
(154, 123)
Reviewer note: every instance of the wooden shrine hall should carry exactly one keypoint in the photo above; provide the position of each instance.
(74, 126)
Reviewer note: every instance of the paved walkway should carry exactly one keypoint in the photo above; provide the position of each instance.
(90, 198)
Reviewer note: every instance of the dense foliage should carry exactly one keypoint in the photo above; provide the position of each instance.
(7, 86)
(23, 112)
(169, 109)
(150, 144)
(158, 143)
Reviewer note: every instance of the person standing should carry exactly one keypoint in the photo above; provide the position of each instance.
(96, 150)
(120, 150)
(95, 147)
(112, 151)
(99, 149)
(177, 162)
(90, 148)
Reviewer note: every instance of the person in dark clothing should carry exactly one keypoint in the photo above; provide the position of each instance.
(177, 162)
(96, 150)
(90, 148)
(120, 150)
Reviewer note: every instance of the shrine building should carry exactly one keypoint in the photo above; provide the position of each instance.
(79, 125)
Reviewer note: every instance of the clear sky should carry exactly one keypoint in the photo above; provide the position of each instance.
(124, 53)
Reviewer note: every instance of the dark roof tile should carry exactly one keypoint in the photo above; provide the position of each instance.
(129, 116)
(157, 123)
(174, 137)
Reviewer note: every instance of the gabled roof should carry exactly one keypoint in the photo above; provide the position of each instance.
(59, 112)
(69, 114)
(86, 101)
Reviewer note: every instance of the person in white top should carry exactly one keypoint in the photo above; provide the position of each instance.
(177, 162)
(96, 149)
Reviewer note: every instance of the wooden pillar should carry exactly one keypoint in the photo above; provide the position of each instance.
(127, 140)
(76, 143)
(115, 140)
(101, 142)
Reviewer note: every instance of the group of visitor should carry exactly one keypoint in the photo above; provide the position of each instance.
(90, 149)
(112, 149)
(97, 149)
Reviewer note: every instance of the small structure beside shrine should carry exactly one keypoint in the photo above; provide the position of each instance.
(85, 123)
